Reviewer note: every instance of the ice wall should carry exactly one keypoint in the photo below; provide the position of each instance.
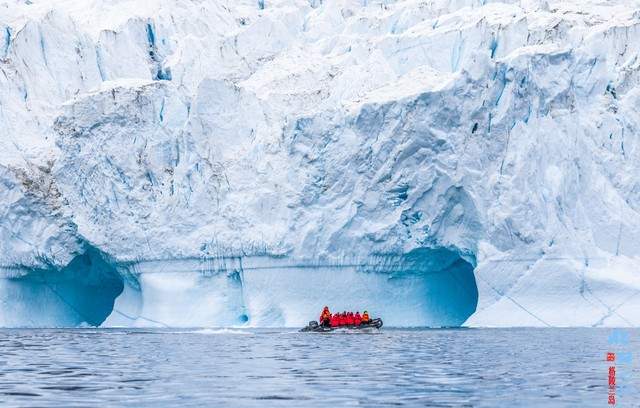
(233, 162)
(434, 288)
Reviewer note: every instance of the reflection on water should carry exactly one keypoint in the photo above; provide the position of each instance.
(472, 367)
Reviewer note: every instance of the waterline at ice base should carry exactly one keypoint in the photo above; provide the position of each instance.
(180, 164)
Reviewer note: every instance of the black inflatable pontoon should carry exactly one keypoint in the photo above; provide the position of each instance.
(313, 326)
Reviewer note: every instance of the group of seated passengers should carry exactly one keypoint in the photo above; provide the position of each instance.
(342, 319)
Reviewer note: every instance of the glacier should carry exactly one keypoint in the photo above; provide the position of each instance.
(243, 163)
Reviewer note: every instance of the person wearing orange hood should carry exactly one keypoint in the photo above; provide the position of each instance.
(365, 317)
(325, 317)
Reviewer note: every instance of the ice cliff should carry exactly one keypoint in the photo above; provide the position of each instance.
(444, 162)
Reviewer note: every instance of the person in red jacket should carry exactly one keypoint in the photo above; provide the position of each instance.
(335, 320)
(357, 319)
(343, 319)
(325, 317)
(350, 320)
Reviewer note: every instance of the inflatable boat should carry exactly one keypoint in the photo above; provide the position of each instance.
(313, 326)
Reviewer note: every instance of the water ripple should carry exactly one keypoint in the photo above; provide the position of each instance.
(444, 368)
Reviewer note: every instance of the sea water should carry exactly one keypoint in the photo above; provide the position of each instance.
(282, 367)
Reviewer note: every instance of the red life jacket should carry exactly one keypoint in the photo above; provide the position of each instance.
(350, 320)
(335, 320)
(357, 319)
(343, 320)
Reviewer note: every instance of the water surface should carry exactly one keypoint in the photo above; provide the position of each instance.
(281, 367)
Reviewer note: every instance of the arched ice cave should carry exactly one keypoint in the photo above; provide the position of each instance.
(81, 293)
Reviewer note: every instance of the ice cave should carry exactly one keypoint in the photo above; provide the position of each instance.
(80, 294)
